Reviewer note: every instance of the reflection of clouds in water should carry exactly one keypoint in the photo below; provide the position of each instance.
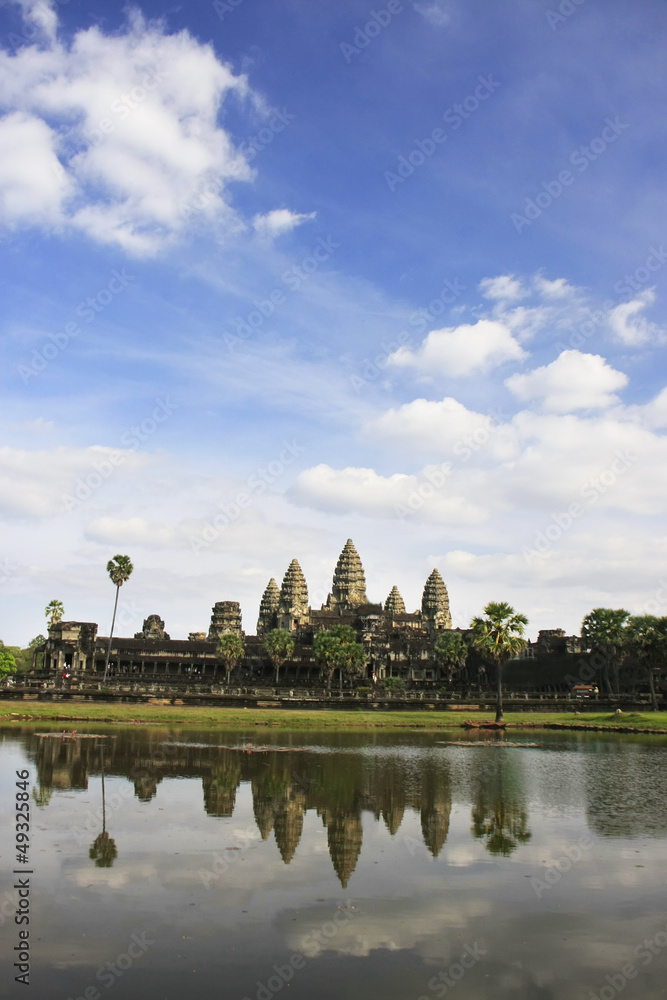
(417, 924)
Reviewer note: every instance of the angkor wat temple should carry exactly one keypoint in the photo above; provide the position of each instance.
(398, 643)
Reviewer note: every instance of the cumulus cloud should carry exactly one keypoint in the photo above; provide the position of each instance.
(33, 185)
(504, 287)
(574, 381)
(366, 492)
(279, 221)
(557, 289)
(633, 329)
(462, 350)
(118, 136)
(445, 426)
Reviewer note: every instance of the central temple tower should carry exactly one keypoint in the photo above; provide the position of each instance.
(349, 583)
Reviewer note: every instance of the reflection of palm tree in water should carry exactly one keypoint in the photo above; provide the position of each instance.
(498, 813)
(103, 850)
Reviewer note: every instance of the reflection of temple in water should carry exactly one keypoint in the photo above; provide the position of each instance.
(285, 785)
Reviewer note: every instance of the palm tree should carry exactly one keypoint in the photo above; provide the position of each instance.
(646, 638)
(450, 652)
(279, 646)
(230, 651)
(103, 850)
(499, 637)
(337, 649)
(119, 569)
(603, 632)
(54, 610)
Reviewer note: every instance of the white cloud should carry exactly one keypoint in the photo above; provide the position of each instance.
(505, 287)
(364, 491)
(443, 426)
(133, 119)
(34, 483)
(574, 381)
(279, 221)
(33, 185)
(434, 11)
(462, 350)
(633, 329)
(40, 13)
(557, 289)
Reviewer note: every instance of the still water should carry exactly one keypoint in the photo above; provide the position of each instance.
(173, 863)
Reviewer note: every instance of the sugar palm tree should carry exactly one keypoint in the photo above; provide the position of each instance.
(499, 637)
(279, 646)
(646, 641)
(54, 611)
(230, 651)
(603, 632)
(119, 569)
(337, 649)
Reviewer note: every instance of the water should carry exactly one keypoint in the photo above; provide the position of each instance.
(358, 865)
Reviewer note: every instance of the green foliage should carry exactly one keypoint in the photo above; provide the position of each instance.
(499, 636)
(119, 569)
(230, 651)
(54, 611)
(646, 641)
(279, 644)
(337, 649)
(103, 851)
(603, 632)
(393, 684)
(7, 662)
(450, 652)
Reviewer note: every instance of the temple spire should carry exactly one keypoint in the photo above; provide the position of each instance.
(349, 583)
(293, 608)
(394, 605)
(435, 602)
(268, 608)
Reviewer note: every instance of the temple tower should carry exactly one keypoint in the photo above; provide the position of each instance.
(394, 605)
(435, 603)
(225, 617)
(153, 628)
(349, 583)
(293, 609)
(268, 608)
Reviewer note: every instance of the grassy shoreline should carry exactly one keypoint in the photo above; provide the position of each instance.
(15, 712)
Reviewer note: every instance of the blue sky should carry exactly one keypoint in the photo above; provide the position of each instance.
(277, 274)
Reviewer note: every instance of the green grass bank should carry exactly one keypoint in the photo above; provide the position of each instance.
(240, 718)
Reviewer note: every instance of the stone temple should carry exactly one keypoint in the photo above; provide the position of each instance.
(397, 642)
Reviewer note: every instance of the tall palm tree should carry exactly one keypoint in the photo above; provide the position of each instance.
(499, 637)
(279, 646)
(230, 651)
(54, 610)
(119, 569)
(603, 632)
(646, 637)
